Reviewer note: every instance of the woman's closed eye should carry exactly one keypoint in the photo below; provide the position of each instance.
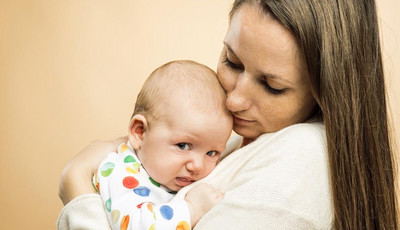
(271, 90)
(262, 81)
(184, 146)
(232, 65)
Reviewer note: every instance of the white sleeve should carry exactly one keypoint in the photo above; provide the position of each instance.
(85, 212)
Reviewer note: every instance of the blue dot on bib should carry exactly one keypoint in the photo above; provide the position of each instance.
(167, 212)
(142, 191)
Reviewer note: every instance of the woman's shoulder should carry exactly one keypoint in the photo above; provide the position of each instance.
(294, 141)
(290, 167)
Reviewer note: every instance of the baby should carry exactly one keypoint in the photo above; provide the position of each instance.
(177, 132)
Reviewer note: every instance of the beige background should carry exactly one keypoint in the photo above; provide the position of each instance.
(70, 72)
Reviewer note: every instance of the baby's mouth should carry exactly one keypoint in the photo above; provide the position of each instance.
(183, 181)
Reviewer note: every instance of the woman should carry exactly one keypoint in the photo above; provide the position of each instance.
(305, 84)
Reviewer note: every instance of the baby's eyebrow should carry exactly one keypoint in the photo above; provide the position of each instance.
(183, 137)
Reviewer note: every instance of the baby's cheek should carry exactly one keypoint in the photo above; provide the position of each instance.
(209, 169)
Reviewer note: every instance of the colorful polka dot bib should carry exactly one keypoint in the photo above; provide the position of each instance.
(132, 199)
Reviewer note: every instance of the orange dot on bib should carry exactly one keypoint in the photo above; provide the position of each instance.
(130, 182)
(125, 222)
(183, 225)
(150, 207)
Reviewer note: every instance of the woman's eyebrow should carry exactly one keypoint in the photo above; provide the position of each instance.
(264, 75)
(231, 50)
(274, 76)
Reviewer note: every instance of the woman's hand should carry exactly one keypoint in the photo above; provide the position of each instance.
(200, 199)
(76, 178)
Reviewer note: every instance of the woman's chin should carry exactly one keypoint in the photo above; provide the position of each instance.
(246, 133)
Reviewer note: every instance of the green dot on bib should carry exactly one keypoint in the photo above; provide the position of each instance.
(108, 205)
(107, 169)
(129, 159)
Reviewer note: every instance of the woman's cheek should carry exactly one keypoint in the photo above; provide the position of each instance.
(223, 77)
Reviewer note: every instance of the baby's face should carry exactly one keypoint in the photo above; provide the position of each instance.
(185, 146)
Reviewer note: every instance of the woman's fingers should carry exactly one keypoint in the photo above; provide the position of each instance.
(76, 178)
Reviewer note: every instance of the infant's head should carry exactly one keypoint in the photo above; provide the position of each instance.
(180, 124)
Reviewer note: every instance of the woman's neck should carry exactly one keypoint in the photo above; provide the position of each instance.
(247, 141)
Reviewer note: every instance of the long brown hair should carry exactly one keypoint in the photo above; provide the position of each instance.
(340, 42)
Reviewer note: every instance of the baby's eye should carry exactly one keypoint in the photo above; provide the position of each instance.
(184, 146)
(212, 153)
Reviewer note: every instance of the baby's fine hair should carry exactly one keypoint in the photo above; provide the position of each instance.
(196, 83)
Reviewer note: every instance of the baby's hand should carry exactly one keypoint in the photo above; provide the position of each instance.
(200, 199)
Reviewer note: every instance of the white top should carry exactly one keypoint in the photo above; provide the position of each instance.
(279, 181)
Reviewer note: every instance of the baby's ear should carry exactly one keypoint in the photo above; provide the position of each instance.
(137, 128)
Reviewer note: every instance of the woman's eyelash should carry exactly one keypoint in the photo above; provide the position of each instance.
(265, 84)
(230, 64)
(271, 90)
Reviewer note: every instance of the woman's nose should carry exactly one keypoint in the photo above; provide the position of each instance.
(239, 98)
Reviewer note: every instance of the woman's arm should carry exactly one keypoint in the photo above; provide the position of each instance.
(77, 175)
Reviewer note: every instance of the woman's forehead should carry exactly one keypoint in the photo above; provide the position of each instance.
(263, 44)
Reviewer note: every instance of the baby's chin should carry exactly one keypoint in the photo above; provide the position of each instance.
(172, 189)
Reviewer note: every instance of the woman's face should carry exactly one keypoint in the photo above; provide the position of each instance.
(264, 75)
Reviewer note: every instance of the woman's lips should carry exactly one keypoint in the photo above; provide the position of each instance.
(182, 181)
(239, 120)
